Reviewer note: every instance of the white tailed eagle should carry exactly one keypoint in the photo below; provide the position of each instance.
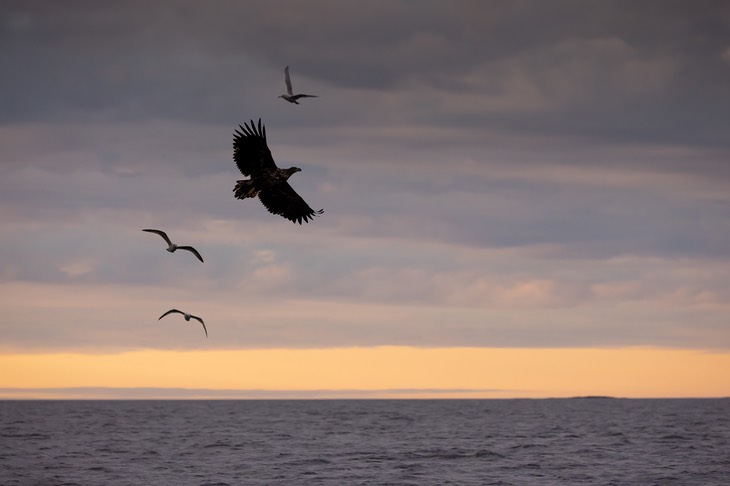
(267, 181)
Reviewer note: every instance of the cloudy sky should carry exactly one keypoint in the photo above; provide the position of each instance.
(496, 175)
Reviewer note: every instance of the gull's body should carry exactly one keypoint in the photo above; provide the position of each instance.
(171, 247)
(187, 318)
(290, 96)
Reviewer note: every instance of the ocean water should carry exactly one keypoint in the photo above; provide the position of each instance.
(365, 442)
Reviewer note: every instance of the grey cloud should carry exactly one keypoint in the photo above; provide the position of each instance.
(128, 323)
(90, 214)
(563, 134)
(615, 71)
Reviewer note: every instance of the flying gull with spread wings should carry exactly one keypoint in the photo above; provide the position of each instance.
(267, 181)
(187, 318)
(171, 247)
(290, 96)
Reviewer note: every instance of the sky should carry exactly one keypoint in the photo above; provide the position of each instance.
(521, 199)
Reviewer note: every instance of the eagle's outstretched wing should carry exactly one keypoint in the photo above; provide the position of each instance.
(284, 201)
(250, 150)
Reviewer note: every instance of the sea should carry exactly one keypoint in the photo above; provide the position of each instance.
(592, 441)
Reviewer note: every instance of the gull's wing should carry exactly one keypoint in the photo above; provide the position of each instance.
(296, 97)
(191, 250)
(170, 312)
(284, 201)
(287, 80)
(250, 151)
(203, 323)
(161, 233)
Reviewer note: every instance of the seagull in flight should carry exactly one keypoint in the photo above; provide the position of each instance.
(171, 247)
(290, 96)
(187, 318)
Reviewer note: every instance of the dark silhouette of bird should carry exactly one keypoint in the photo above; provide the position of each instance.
(290, 96)
(267, 181)
(187, 318)
(171, 247)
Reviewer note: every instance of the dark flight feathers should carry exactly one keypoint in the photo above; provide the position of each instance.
(250, 150)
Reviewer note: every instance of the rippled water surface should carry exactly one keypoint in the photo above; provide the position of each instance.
(378, 442)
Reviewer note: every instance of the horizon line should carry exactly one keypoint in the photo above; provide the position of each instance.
(176, 393)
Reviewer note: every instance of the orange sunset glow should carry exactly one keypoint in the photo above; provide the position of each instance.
(384, 372)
